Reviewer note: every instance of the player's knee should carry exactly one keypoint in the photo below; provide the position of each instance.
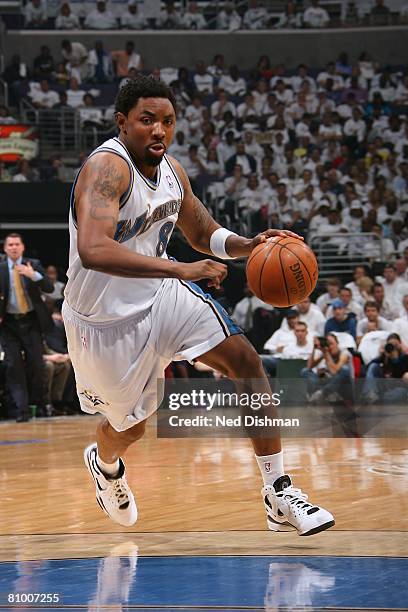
(247, 364)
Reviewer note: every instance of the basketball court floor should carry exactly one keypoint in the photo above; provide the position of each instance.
(200, 543)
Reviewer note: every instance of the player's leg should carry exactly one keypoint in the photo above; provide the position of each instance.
(113, 365)
(105, 464)
(113, 444)
(287, 508)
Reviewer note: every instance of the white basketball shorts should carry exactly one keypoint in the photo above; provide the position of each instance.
(117, 364)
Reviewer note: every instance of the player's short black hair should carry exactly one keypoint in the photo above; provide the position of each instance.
(141, 87)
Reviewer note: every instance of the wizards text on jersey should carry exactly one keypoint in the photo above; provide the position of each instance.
(125, 230)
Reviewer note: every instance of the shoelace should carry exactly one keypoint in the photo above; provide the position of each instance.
(120, 492)
(296, 497)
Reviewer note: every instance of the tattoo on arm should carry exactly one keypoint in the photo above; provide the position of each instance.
(104, 189)
(201, 215)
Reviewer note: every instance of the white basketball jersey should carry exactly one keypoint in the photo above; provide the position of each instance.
(147, 215)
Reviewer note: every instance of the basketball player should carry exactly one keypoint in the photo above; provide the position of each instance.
(129, 310)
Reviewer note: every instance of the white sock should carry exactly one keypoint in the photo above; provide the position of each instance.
(109, 469)
(271, 467)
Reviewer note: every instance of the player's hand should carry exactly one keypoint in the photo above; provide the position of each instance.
(271, 233)
(26, 270)
(207, 268)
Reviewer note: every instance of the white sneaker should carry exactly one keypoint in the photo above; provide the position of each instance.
(287, 509)
(112, 494)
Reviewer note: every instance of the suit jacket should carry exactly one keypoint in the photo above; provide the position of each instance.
(32, 288)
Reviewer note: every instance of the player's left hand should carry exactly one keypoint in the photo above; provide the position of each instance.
(26, 270)
(271, 233)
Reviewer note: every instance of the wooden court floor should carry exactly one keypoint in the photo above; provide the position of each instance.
(196, 497)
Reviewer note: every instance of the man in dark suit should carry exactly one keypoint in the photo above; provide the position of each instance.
(23, 319)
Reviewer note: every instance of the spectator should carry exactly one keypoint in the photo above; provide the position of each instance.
(380, 14)
(303, 346)
(126, 59)
(194, 167)
(316, 16)
(400, 324)
(75, 96)
(132, 19)
(333, 378)
(256, 17)
(371, 321)
(35, 14)
(44, 97)
(25, 173)
(241, 158)
(74, 52)
(391, 364)
(385, 308)
(15, 75)
(43, 65)
(355, 127)
(341, 321)
(333, 286)
(291, 17)
(228, 18)
(90, 117)
(351, 305)
(217, 68)
(312, 315)
(233, 83)
(394, 287)
(245, 308)
(220, 106)
(179, 147)
(295, 343)
(23, 316)
(101, 18)
(284, 335)
(351, 13)
(57, 367)
(234, 187)
(193, 19)
(169, 17)
(343, 65)
(330, 73)
(203, 81)
(252, 203)
(66, 20)
(358, 273)
(100, 64)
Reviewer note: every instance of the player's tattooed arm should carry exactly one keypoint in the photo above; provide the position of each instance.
(101, 183)
(105, 191)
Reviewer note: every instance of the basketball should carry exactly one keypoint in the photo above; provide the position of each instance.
(282, 272)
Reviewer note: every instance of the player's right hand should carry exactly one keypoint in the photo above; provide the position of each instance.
(207, 268)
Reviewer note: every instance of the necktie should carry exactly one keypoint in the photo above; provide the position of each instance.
(20, 295)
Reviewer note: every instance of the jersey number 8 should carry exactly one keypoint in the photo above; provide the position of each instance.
(164, 236)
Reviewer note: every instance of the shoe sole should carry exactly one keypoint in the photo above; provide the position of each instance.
(318, 529)
(286, 527)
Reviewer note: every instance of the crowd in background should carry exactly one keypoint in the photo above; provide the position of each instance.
(321, 151)
(253, 15)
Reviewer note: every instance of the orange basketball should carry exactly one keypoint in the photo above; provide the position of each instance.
(282, 271)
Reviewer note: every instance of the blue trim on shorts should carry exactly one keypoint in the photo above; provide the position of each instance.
(232, 327)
